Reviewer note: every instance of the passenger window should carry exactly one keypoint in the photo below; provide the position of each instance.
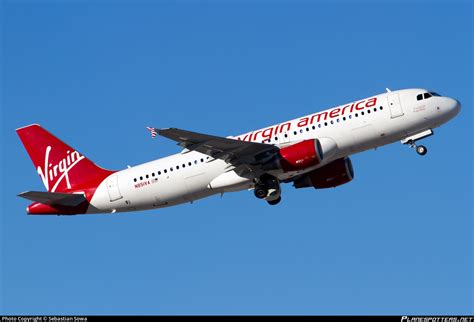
(381, 107)
(368, 111)
(195, 161)
(319, 125)
(286, 135)
(146, 176)
(134, 179)
(325, 123)
(141, 178)
(152, 174)
(165, 171)
(419, 97)
(171, 169)
(177, 167)
(314, 127)
(189, 163)
(362, 113)
(202, 160)
(184, 165)
(356, 115)
(344, 118)
(159, 172)
(294, 133)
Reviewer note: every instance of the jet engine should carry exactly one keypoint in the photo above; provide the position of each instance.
(306, 154)
(331, 175)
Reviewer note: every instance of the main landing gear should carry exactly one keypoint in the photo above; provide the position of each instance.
(261, 191)
(274, 202)
(268, 187)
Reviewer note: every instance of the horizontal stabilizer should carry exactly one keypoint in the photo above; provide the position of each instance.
(54, 198)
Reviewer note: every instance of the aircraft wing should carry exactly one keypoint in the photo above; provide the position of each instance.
(54, 198)
(238, 153)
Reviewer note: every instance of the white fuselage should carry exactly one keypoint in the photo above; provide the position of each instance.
(355, 127)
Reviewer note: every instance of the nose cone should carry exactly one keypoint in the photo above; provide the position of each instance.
(457, 107)
(453, 107)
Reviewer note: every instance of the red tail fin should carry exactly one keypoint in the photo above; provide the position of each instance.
(60, 167)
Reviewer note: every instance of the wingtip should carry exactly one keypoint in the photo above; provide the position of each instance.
(153, 131)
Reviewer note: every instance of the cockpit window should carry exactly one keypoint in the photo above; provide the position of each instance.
(434, 94)
(427, 95)
(419, 97)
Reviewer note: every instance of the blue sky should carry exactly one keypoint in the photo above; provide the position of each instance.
(396, 240)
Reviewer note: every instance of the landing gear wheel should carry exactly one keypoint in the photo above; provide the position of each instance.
(260, 191)
(274, 202)
(421, 150)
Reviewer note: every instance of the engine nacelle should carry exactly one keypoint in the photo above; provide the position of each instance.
(301, 155)
(306, 154)
(331, 175)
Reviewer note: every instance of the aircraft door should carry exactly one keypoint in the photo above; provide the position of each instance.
(113, 188)
(395, 106)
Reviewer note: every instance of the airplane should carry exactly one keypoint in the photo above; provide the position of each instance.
(310, 151)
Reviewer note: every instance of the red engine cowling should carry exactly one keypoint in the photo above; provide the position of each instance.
(331, 175)
(301, 155)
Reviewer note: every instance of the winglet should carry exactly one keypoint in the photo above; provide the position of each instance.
(387, 89)
(152, 132)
